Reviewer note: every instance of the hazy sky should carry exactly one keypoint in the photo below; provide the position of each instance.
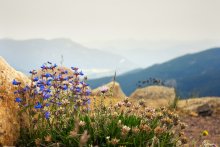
(87, 21)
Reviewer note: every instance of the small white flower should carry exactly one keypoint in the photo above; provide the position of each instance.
(126, 128)
(82, 123)
(119, 122)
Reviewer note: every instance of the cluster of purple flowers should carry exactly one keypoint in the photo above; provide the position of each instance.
(51, 86)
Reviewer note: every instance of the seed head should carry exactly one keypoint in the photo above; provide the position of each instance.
(128, 104)
(48, 138)
(181, 133)
(145, 127)
(115, 114)
(136, 107)
(183, 140)
(142, 103)
(84, 138)
(167, 121)
(182, 126)
(37, 142)
(135, 130)
(126, 100)
(114, 141)
(125, 129)
(158, 131)
(73, 133)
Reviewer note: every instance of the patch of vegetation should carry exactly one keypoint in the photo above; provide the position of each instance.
(55, 111)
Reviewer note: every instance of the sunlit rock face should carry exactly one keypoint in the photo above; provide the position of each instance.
(9, 118)
(155, 96)
(114, 89)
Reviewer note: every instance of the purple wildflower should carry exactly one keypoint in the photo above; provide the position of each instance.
(81, 73)
(33, 72)
(38, 106)
(64, 87)
(35, 79)
(88, 92)
(47, 96)
(47, 114)
(78, 89)
(47, 104)
(47, 75)
(74, 68)
(14, 82)
(18, 100)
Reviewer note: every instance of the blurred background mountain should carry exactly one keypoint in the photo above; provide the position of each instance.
(29, 54)
(195, 75)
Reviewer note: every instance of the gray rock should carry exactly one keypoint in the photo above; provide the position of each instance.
(205, 110)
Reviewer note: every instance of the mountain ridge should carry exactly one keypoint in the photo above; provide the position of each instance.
(193, 74)
(34, 52)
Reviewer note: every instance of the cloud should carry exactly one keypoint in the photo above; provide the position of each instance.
(89, 20)
(122, 61)
(97, 71)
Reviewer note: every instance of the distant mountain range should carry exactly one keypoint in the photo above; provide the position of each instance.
(195, 74)
(29, 54)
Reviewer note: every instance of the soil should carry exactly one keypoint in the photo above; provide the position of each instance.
(197, 124)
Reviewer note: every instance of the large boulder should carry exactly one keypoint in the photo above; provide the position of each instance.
(9, 118)
(9, 73)
(154, 96)
(114, 90)
(205, 110)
